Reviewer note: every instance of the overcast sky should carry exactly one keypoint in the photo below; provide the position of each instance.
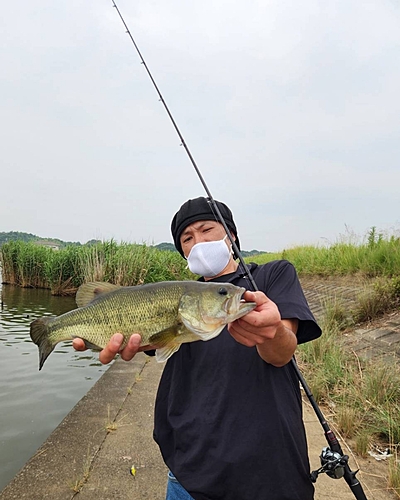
(290, 109)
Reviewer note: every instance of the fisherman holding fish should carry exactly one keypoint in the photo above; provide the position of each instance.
(228, 413)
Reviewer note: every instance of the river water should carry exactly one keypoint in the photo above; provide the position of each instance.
(33, 403)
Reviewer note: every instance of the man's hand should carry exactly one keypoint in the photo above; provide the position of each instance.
(263, 327)
(114, 347)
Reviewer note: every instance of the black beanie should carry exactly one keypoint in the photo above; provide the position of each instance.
(199, 209)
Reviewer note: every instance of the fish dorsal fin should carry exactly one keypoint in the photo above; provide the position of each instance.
(90, 291)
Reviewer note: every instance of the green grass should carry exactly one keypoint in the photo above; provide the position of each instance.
(375, 257)
(31, 265)
(381, 298)
(23, 264)
(63, 271)
(394, 474)
(362, 396)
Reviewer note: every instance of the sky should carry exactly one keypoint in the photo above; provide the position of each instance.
(291, 111)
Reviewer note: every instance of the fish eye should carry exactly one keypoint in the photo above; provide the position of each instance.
(223, 291)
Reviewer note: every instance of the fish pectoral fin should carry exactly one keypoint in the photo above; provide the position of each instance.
(164, 337)
(90, 291)
(166, 342)
(166, 352)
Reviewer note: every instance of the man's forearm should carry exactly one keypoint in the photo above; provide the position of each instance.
(279, 350)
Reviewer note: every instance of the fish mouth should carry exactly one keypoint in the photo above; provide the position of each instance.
(236, 306)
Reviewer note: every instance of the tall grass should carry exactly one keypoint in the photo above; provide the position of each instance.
(130, 264)
(375, 257)
(63, 271)
(30, 265)
(23, 264)
(383, 296)
(363, 396)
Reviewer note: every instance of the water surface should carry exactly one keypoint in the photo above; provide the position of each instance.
(33, 403)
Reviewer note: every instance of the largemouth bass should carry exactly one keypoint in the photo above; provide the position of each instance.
(165, 314)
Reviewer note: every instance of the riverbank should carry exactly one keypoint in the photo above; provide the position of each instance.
(90, 454)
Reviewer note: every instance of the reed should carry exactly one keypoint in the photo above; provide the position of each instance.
(63, 271)
(131, 264)
(23, 264)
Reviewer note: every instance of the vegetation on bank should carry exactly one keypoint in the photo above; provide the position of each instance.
(377, 256)
(362, 396)
(29, 264)
(63, 271)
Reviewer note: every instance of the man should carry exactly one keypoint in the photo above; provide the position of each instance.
(228, 414)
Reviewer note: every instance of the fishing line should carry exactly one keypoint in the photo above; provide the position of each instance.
(211, 200)
(333, 461)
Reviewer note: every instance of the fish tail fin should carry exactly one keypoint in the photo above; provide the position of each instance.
(40, 336)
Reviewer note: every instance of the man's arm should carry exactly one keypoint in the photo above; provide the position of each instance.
(263, 327)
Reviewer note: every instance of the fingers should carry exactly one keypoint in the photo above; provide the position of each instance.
(259, 324)
(257, 297)
(114, 347)
(265, 313)
(131, 348)
(245, 337)
(111, 349)
(79, 345)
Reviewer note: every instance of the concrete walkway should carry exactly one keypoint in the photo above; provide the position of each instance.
(90, 454)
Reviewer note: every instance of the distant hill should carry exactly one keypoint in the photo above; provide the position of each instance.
(14, 235)
(165, 246)
(250, 253)
(32, 238)
(55, 243)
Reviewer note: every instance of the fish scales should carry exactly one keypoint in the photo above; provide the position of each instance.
(146, 311)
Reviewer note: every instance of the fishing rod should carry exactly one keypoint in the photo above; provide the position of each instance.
(183, 143)
(334, 462)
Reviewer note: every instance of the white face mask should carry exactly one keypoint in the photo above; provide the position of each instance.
(209, 258)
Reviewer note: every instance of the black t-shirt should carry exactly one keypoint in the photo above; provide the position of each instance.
(229, 425)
